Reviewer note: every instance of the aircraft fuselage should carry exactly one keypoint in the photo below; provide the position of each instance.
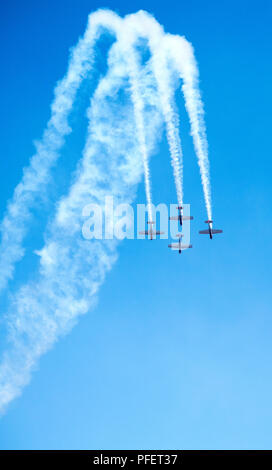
(180, 219)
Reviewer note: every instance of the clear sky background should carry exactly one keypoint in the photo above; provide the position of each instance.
(177, 353)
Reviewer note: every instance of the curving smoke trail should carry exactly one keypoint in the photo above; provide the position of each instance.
(182, 54)
(134, 77)
(37, 175)
(163, 78)
(72, 269)
(146, 26)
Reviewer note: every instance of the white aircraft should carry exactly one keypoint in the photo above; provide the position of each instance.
(152, 233)
(178, 246)
(180, 217)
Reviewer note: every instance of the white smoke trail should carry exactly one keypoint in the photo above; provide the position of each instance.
(166, 93)
(71, 269)
(127, 39)
(14, 225)
(182, 54)
(36, 175)
(146, 26)
(140, 125)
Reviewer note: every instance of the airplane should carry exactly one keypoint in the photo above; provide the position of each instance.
(178, 246)
(180, 217)
(151, 232)
(210, 230)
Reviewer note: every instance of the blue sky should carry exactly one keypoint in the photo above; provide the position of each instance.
(177, 352)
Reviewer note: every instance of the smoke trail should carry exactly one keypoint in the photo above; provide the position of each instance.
(172, 131)
(72, 269)
(146, 26)
(183, 56)
(139, 113)
(36, 175)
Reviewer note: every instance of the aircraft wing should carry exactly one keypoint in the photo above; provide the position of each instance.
(187, 217)
(216, 231)
(158, 232)
(145, 232)
(177, 246)
(175, 217)
(204, 231)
